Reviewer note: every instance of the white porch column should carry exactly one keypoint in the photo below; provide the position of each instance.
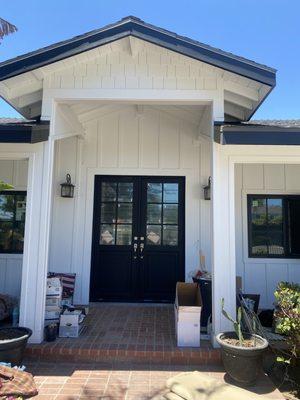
(36, 245)
(223, 239)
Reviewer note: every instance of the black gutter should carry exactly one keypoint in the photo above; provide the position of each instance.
(24, 132)
(257, 135)
(139, 29)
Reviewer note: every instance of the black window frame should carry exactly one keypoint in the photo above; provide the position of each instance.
(14, 193)
(285, 222)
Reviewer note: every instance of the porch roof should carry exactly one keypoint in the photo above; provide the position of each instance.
(136, 27)
(18, 130)
(268, 132)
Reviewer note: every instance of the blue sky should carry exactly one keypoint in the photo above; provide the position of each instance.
(267, 31)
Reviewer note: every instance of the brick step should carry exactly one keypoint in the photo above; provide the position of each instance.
(177, 356)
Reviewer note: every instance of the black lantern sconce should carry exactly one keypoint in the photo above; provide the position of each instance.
(67, 188)
(207, 189)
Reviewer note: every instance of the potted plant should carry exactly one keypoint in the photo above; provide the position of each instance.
(241, 352)
(13, 342)
(50, 332)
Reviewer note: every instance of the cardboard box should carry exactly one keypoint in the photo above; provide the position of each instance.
(53, 301)
(71, 323)
(188, 305)
(52, 312)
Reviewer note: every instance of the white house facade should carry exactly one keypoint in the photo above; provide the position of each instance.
(140, 118)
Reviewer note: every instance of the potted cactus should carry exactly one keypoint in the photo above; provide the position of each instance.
(241, 352)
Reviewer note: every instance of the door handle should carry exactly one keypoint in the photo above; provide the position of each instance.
(142, 250)
(135, 246)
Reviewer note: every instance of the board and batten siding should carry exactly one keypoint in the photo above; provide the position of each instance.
(127, 143)
(262, 275)
(13, 172)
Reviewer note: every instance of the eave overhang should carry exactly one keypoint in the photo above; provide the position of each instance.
(257, 135)
(32, 132)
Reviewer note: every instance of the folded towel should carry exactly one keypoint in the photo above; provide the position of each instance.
(198, 386)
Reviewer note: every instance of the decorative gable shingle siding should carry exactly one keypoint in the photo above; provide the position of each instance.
(135, 64)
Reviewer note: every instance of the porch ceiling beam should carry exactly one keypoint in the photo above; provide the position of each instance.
(234, 111)
(157, 96)
(241, 90)
(238, 100)
(99, 112)
(71, 118)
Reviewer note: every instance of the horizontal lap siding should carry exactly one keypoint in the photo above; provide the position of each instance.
(262, 275)
(13, 172)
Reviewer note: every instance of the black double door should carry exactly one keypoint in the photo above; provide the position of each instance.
(138, 238)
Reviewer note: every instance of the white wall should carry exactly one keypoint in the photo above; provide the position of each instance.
(262, 275)
(123, 143)
(13, 172)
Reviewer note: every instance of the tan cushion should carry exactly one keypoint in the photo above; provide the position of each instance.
(199, 386)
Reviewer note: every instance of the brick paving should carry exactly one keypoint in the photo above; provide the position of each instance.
(122, 381)
(126, 332)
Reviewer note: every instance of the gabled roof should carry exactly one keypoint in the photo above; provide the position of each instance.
(136, 27)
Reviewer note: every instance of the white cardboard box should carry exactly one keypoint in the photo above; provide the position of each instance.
(188, 305)
(70, 323)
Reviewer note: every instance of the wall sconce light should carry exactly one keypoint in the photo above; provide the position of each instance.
(67, 188)
(207, 189)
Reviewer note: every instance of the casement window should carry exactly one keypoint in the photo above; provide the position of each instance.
(274, 226)
(12, 221)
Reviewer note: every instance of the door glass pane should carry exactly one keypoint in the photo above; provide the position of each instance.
(125, 192)
(170, 192)
(154, 213)
(124, 234)
(107, 234)
(170, 235)
(7, 207)
(170, 213)
(6, 232)
(124, 212)
(108, 212)
(109, 191)
(154, 193)
(154, 234)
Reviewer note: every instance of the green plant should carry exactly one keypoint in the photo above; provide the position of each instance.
(288, 318)
(236, 323)
(5, 186)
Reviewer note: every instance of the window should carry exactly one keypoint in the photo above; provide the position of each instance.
(274, 226)
(12, 221)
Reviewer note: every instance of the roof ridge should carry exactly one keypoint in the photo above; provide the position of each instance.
(136, 20)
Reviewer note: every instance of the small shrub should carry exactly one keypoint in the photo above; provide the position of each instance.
(288, 318)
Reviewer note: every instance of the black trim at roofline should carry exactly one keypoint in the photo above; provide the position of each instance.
(135, 27)
(257, 135)
(24, 132)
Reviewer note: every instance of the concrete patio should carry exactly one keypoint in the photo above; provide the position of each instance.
(120, 381)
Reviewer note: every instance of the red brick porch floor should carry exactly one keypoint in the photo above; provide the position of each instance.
(123, 381)
(126, 332)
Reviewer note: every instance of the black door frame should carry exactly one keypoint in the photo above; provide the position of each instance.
(137, 213)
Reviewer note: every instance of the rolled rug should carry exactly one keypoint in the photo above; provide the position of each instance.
(198, 386)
